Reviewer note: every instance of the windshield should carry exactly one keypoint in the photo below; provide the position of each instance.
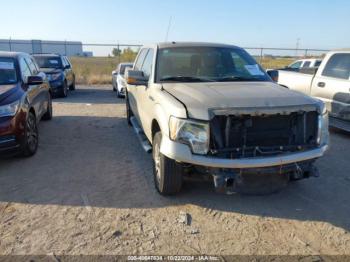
(48, 62)
(207, 64)
(8, 73)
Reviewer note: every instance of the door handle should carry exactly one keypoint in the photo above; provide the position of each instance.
(321, 84)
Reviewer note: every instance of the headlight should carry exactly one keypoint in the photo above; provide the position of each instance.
(323, 133)
(190, 132)
(9, 110)
(120, 82)
(53, 77)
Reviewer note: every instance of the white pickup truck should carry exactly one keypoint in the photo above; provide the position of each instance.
(329, 83)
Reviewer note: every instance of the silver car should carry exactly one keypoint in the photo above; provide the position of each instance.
(118, 80)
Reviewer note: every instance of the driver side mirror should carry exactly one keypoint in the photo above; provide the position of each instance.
(136, 78)
(35, 80)
(273, 74)
(67, 67)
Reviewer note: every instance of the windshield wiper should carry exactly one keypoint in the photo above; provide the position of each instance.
(237, 78)
(186, 79)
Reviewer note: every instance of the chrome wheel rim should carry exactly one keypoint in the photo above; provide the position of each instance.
(32, 135)
(157, 162)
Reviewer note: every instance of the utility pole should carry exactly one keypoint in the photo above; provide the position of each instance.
(297, 47)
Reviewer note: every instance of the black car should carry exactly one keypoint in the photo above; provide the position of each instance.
(59, 72)
(25, 98)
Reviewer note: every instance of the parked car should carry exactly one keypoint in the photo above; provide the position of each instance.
(329, 83)
(25, 98)
(303, 63)
(59, 72)
(118, 80)
(211, 109)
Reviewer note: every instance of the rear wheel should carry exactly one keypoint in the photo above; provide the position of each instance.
(167, 172)
(31, 138)
(64, 91)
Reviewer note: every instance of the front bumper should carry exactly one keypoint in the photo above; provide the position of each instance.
(12, 130)
(182, 153)
(56, 86)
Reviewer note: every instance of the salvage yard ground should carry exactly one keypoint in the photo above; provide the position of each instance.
(89, 190)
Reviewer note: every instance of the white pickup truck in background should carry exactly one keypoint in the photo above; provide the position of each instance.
(303, 63)
(330, 82)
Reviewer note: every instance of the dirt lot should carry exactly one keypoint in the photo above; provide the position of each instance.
(89, 190)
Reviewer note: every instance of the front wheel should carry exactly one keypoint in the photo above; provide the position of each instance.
(48, 113)
(129, 113)
(31, 137)
(167, 172)
(64, 91)
(72, 86)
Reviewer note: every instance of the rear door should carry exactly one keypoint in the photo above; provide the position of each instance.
(332, 85)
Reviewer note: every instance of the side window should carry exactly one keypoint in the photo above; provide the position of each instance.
(64, 62)
(68, 62)
(147, 65)
(25, 71)
(296, 65)
(32, 66)
(338, 66)
(140, 59)
(306, 64)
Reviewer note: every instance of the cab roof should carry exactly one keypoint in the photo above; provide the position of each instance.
(194, 44)
(12, 54)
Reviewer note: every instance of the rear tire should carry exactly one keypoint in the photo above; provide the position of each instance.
(64, 91)
(48, 115)
(31, 136)
(167, 172)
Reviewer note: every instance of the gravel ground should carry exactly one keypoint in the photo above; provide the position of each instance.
(89, 190)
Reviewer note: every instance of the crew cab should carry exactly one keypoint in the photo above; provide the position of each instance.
(25, 98)
(59, 72)
(211, 109)
(329, 83)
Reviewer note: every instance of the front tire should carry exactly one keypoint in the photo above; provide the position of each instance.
(167, 172)
(72, 87)
(31, 136)
(129, 113)
(48, 115)
(64, 92)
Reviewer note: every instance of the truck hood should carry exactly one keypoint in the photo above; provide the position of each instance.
(51, 70)
(202, 100)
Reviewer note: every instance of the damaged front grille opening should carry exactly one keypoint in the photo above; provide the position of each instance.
(240, 136)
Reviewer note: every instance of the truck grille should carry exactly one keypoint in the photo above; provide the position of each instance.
(266, 135)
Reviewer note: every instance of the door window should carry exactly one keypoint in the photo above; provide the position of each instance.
(32, 66)
(140, 59)
(25, 71)
(338, 66)
(147, 65)
(306, 64)
(296, 65)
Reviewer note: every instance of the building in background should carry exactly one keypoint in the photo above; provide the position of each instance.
(67, 48)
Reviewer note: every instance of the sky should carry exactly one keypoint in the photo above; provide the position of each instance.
(320, 24)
